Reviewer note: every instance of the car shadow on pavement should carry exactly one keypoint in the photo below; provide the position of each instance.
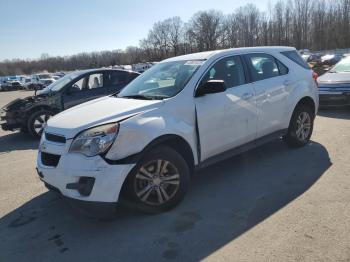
(225, 201)
(17, 141)
(335, 113)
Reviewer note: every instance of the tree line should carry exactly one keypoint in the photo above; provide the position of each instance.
(312, 24)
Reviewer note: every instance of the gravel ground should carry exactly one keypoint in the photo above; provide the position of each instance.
(270, 204)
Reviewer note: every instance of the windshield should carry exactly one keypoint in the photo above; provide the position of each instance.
(342, 66)
(60, 83)
(162, 81)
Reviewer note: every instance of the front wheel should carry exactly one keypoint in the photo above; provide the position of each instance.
(300, 127)
(159, 181)
(37, 122)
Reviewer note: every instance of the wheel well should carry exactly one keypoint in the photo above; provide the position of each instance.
(175, 142)
(178, 144)
(38, 108)
(307, 101)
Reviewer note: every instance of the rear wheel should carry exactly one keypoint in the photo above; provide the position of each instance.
(37, 122)
(300, 127)
(159, 181)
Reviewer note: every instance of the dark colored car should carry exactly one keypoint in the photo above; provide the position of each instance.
(314, 58)
(334, 86)
(31, 114)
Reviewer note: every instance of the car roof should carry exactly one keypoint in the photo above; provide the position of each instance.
(206, 55)
(102, 69)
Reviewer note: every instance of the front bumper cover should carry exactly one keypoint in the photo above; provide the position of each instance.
(108, 179)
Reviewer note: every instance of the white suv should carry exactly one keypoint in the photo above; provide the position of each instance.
(184, 113)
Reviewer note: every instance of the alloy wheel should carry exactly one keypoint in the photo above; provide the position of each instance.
(40, 122)
(157, 182)
(303, 126)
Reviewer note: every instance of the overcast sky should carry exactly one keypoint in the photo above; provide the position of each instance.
(29, 28)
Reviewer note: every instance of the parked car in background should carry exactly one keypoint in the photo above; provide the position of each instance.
(40, 81)
(31, 113)
(314, 58)
(11, 85)
(334, 86)
(184, 113)
(331, 59)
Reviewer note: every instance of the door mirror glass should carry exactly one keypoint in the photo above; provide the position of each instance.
(211, 87)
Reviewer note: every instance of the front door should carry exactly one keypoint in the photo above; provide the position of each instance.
(228, 119)
(86, 88)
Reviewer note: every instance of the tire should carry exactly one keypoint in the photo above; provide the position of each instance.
(162, 173)
(24, 130)
(36, 122)
(300, 127)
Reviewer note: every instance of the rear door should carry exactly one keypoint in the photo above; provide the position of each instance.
(228, 119)
(270, 79)
(86, 88)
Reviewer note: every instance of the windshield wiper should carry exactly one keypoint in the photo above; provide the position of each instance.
(141, 97)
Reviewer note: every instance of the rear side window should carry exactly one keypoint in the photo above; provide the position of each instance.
(264, 66)
(295, 57)
(117, 78)
(132, 76)
(282, 68)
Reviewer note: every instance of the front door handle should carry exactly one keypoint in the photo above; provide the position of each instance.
(247, 96)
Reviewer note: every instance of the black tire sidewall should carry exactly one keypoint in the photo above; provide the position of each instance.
(292, 139)
(31, 120)
(168, 154)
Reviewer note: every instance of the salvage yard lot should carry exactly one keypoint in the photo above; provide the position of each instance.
(270, 204)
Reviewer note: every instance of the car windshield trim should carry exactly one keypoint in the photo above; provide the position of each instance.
(60, 83)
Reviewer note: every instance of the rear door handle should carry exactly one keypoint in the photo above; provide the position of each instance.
(247, 96)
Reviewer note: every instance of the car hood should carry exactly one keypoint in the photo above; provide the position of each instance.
(334, 78)
(97, 112)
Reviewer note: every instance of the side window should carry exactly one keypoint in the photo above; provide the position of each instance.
(79, 85)
(116, 79)
(229, 69)
(282, 68)
(95, 81)
(132, 76)
(262, 66)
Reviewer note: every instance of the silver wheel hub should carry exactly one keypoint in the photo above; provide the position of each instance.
(157, 182)
(303, 126)
(40, 122)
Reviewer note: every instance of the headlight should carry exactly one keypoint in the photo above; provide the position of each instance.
(95, 141)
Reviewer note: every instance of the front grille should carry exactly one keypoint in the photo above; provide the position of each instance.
(55, 138)
(50, 159)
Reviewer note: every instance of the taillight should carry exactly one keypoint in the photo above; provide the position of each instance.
(315, 76)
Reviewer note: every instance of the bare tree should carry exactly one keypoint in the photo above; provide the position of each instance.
(313, 24)
(205, 29)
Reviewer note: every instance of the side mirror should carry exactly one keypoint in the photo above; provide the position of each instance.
(211, 87)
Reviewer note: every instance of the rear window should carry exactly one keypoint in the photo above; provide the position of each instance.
(294, 56)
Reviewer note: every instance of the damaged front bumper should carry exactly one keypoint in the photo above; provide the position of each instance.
(9, 121)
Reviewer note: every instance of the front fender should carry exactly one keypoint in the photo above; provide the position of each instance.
(136, 133)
